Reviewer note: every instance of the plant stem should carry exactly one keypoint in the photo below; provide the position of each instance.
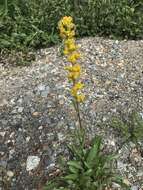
(78, 115)
(76, 106)
(80, 130)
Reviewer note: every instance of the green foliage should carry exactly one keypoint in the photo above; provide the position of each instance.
(33, 23)
(122, 18)
(29, 24)
(88, 169)
(131, 129)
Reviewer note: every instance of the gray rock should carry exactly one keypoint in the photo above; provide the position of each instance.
(3, 102)
(45, 92)
(3, 164)
(121, 165)
(20, 101)
(20, 109)
(120, 77)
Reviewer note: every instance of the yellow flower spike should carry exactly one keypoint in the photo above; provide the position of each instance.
(73, 57)
(69, 49)
(74, 68)
(67, 20)
(73, 75)
(72, 47)
(71, 26)
(80, 98)
(66, 51)
(67, 32)
(66, 27)
(70, 34)
(77, 55)
(78, 86)
(70, 44)
(74, 91)
(69, 41)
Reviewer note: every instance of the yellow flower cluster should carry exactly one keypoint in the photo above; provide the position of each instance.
(66, 27)
(67, 32)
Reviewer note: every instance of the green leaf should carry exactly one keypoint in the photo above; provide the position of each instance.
(112, 157)
(73, 170)
(75, 164)
(71, 177)
(88, 172)
(93, 153)
(5, 43)
(76, 152)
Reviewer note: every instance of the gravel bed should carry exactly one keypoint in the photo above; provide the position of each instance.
(36, 113)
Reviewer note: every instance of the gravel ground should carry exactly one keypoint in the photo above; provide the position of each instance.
(36, 112)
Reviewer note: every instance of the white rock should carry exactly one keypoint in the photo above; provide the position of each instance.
(10, 174)
(41, 87)
(12, 101)
(3, 102)
(116, 41)
(121, 165)
(41, 127)
(32, 162)
(140, 174)
(27, 139)
(11, 152)
(134, 188)
(115, 185)
(20, 109)
(104, 119)
(11, 135)
(51, 166)
(60, 136)
(141, 114)
(2, 133)
(126, 181)
(111, 142)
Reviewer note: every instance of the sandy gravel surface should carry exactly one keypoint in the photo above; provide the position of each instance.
(36, 111)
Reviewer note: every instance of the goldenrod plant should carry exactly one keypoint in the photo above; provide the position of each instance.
(70, 50)
(88, 168)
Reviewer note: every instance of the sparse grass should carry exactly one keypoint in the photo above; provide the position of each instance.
(129, 128)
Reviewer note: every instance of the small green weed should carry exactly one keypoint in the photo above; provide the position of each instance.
(131, 128)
